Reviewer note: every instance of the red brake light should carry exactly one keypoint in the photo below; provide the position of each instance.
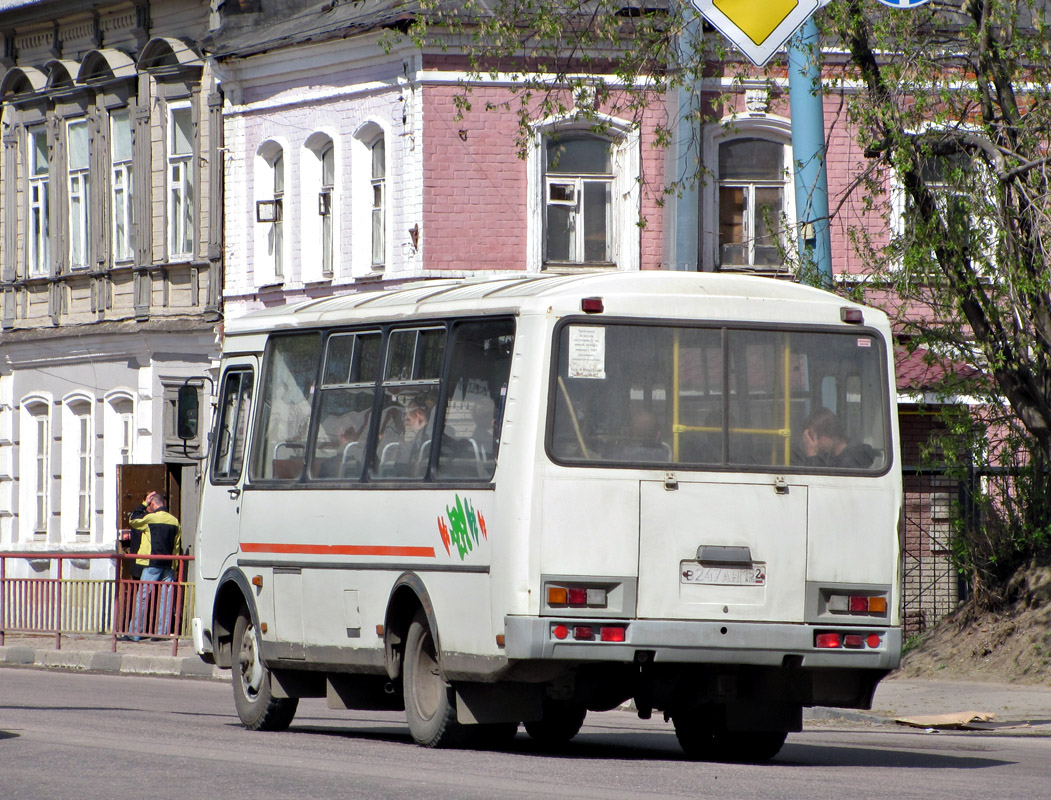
(852, 315)
(859, 603)
(853, 640)
(583, 632)
(612, 633)
(578, 596)
(827, 640)
(591, 305)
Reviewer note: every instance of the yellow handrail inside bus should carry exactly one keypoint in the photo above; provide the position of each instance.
(675, 427)
(785, 422)
(573, 417)
(784, 431)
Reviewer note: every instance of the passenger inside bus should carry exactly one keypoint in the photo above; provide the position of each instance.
(642, 440)
(408, 456)
(825, 443)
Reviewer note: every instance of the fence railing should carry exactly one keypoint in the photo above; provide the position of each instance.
(61, 602)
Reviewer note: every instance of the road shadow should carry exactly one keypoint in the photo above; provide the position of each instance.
(628, 746)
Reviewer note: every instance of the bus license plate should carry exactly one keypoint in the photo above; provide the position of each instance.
(693, 572)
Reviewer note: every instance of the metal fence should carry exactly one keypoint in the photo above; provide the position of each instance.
(932, 587)
(59, 601)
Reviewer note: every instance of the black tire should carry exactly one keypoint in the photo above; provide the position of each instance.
(430, 706)
(562, 721)
(703, 741)
(258, 709)
(492, 735)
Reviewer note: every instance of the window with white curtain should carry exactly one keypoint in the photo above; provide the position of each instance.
(379, 189)
(276, 237)
(180, 181)
(121, 185)
(39, 228)
(85, 452)
(328, 173)
(78, 164)
(752, 185)
(578, 190)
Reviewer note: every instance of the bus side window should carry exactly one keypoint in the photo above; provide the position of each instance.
(232, 426)
(289, 375)
(479, 367)
(411, 376)
(348, 386)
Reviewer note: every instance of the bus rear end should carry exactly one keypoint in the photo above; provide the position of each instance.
(719, 519)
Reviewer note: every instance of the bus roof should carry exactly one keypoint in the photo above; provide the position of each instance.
(526, 292)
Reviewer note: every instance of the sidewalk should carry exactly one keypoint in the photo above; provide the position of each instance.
(95, 654)
(1018, 710)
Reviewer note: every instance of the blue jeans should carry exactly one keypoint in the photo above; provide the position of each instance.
(141, 619)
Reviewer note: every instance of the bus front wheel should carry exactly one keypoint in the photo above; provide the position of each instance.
(430, 705)
(257, 708)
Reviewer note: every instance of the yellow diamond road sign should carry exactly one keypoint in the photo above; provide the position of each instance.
(758, 28)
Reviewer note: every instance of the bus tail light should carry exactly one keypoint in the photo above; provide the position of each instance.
(858, 604)
(827, 640)
(582, 632)
(612, 633)
(834, 640)
(577, 596)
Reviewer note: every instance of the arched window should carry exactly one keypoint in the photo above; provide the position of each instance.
(378, 184)
(118, 446)
(270, 211)
(328, 172)
(751, 202)
(320, 207)
(370, 194)
(578, 179)
(78, 473)
(35, 456)
(584, 196)
(748, 208)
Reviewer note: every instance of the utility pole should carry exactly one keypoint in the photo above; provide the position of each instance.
(683, 157)
(808, 153)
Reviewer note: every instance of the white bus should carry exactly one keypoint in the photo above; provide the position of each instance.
(515, 500)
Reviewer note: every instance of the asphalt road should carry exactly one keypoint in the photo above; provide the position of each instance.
(75, 735)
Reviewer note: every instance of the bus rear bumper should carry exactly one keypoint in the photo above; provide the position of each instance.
(703, 642)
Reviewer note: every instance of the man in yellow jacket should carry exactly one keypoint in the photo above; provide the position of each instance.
(154, 532)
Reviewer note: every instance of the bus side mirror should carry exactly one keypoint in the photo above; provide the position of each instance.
(187, 412)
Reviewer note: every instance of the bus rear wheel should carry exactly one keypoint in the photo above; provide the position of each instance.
(702, 741)
(257, 708)
(430, 705)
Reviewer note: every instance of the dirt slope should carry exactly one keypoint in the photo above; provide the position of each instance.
(1013, 646)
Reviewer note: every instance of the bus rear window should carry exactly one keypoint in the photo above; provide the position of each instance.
(720, 398)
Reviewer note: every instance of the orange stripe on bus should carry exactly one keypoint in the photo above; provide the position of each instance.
(337, 549)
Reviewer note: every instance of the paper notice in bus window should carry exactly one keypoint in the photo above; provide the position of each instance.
(587, 352)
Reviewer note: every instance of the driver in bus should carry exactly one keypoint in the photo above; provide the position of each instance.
(825, 444)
